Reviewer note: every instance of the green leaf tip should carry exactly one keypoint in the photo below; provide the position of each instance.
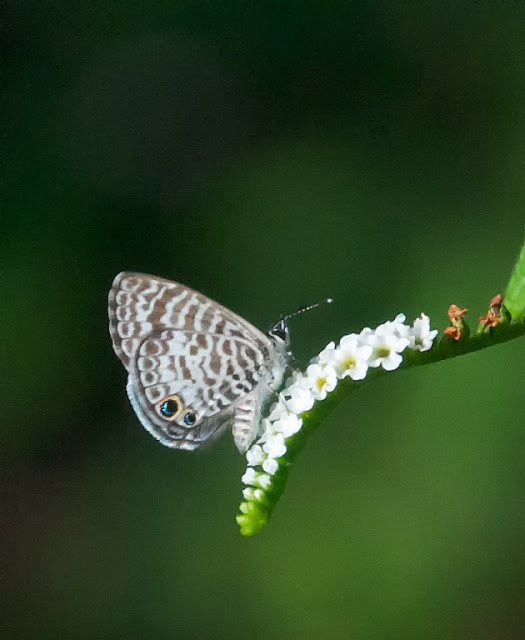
(515, 295)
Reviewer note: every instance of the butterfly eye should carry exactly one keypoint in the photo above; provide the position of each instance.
(169, 408)
(190, 418)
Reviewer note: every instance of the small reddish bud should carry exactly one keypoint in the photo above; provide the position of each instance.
(493, 316)
(496, 301)
(491, 319)
(455, 313)
(454, 333)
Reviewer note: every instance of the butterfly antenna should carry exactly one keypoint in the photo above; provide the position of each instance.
(309, 307)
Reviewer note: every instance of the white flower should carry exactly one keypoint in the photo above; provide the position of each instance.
(320, 380)
(324, 356)
(398, 325)
(252, 494)
(278, 409)
(274, 447)
(365, 332)
(270, 465)
(299, 400)
(300, 380)
(350, 358)
(255, 455)
(420, 335)
(296, 378)
(266, 428)
(395, 326)
(250, 476)
(387, 346)
(256, 478)
(266, 456)
(288, 424)
(264, 481)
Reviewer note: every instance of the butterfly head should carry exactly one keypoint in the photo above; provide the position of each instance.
(280, 332)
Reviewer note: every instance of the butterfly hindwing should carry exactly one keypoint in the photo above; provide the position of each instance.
(205, 374)
(173, 435)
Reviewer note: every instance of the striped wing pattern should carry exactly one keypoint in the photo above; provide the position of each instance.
(178, 344)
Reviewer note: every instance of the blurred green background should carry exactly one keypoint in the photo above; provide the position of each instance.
(268, 155)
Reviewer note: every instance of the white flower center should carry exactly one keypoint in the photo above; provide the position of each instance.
(320, 383)
(349, 362)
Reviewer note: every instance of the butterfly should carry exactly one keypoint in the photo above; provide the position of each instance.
(194, 367)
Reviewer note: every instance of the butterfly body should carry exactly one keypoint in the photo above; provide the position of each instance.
(193, 366)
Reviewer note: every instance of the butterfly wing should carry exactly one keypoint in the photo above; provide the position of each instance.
(139, 304)
(190, 360)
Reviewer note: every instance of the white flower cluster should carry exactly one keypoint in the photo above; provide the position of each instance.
(352, 357)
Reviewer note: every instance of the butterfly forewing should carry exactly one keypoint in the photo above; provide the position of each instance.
(180, 346)
(140, 304)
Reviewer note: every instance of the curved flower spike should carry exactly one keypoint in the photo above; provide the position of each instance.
(269, 457)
